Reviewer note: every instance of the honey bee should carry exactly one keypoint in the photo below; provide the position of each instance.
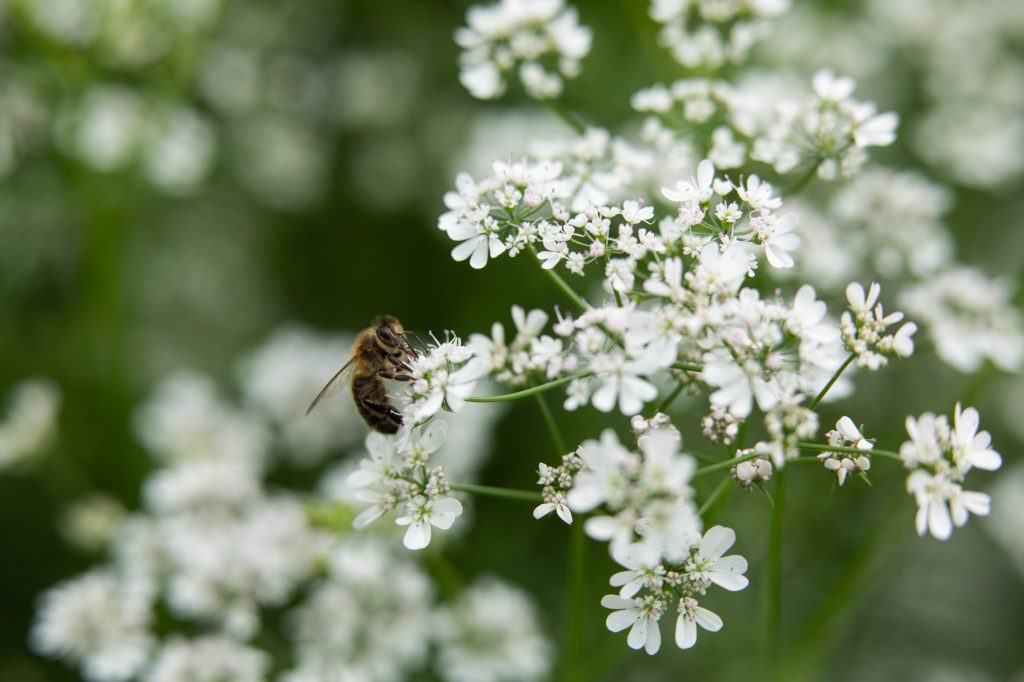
(378, 354)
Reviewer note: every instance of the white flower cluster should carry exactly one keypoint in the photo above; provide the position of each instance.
(680, 297)
(491, 633)
(442, 378)
(647, 495)
(370, 616)
(113, 128)
(529, 355)
(539, 40)
(751, 472)
(842, 464)
(31, 421)
(828, 131)
(651, 585)
(971, 124)
(832, 129)
(970, 318)
(212, 657)
(126, 36)
(865, 325)
(939, 458)
(397, 476)
(892, 221)
(710, 33)
(219, 558)
(97, 622)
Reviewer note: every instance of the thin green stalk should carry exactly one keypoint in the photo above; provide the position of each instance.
(687, 366)
(663, 405)
(724, 464)
(561, 283)
(799, 185)
(835, 377)
(504, 493)
(527, 392)
(773, 573)
(572, 663)
(820, 447)
(560, 110)
(577, 603)
(848, 593)
(556, 436)
(718, 492)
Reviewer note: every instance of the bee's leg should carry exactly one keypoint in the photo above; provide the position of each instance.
(397, 362)
(387, 374)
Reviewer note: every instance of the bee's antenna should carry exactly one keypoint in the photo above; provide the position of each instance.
(414, 335)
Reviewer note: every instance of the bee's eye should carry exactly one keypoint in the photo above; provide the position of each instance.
(385, 334)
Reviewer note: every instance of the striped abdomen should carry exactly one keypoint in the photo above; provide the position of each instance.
(371, 400)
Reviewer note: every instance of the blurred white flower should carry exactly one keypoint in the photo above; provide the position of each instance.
(526, 33)
(969, 317)
(31, 421)
(208, 658)
(96, 622)
(491, 632)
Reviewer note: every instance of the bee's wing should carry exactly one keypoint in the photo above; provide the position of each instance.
(332, 386)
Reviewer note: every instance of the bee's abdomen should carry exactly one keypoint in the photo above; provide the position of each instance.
(374, 407)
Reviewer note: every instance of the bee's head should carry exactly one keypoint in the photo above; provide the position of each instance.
(391, 334)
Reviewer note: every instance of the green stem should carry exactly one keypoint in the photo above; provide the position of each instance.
(561, 283)
(835, 377)
(577, 602)
(560, 110)
(527, 392)
(819, 447)
(848, 593)
(556, 436)
(773, 573)
(717, 493)
(799, 185)
(663, 405)
(504, 493)
(687, 366)
(724, 464)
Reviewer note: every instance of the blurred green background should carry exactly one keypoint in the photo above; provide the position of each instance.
(316, 141)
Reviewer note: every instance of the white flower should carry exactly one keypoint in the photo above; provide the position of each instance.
(645, 569)
(423, 513)
(971, 448)
(479, 241)
(602, 478)
(696, 189)
(758, 194)
(635, 212)
(560, 507)
(620, 382)
(690, 616)
(832, 88)
(776, 234)
(208, 658)
(923, 446)
(511, 33)
(98, 622)
(709, 564)
(932, 493)
(640, 616)
(491, 632)
(670, 286)
(31, 421)
(369, 586)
